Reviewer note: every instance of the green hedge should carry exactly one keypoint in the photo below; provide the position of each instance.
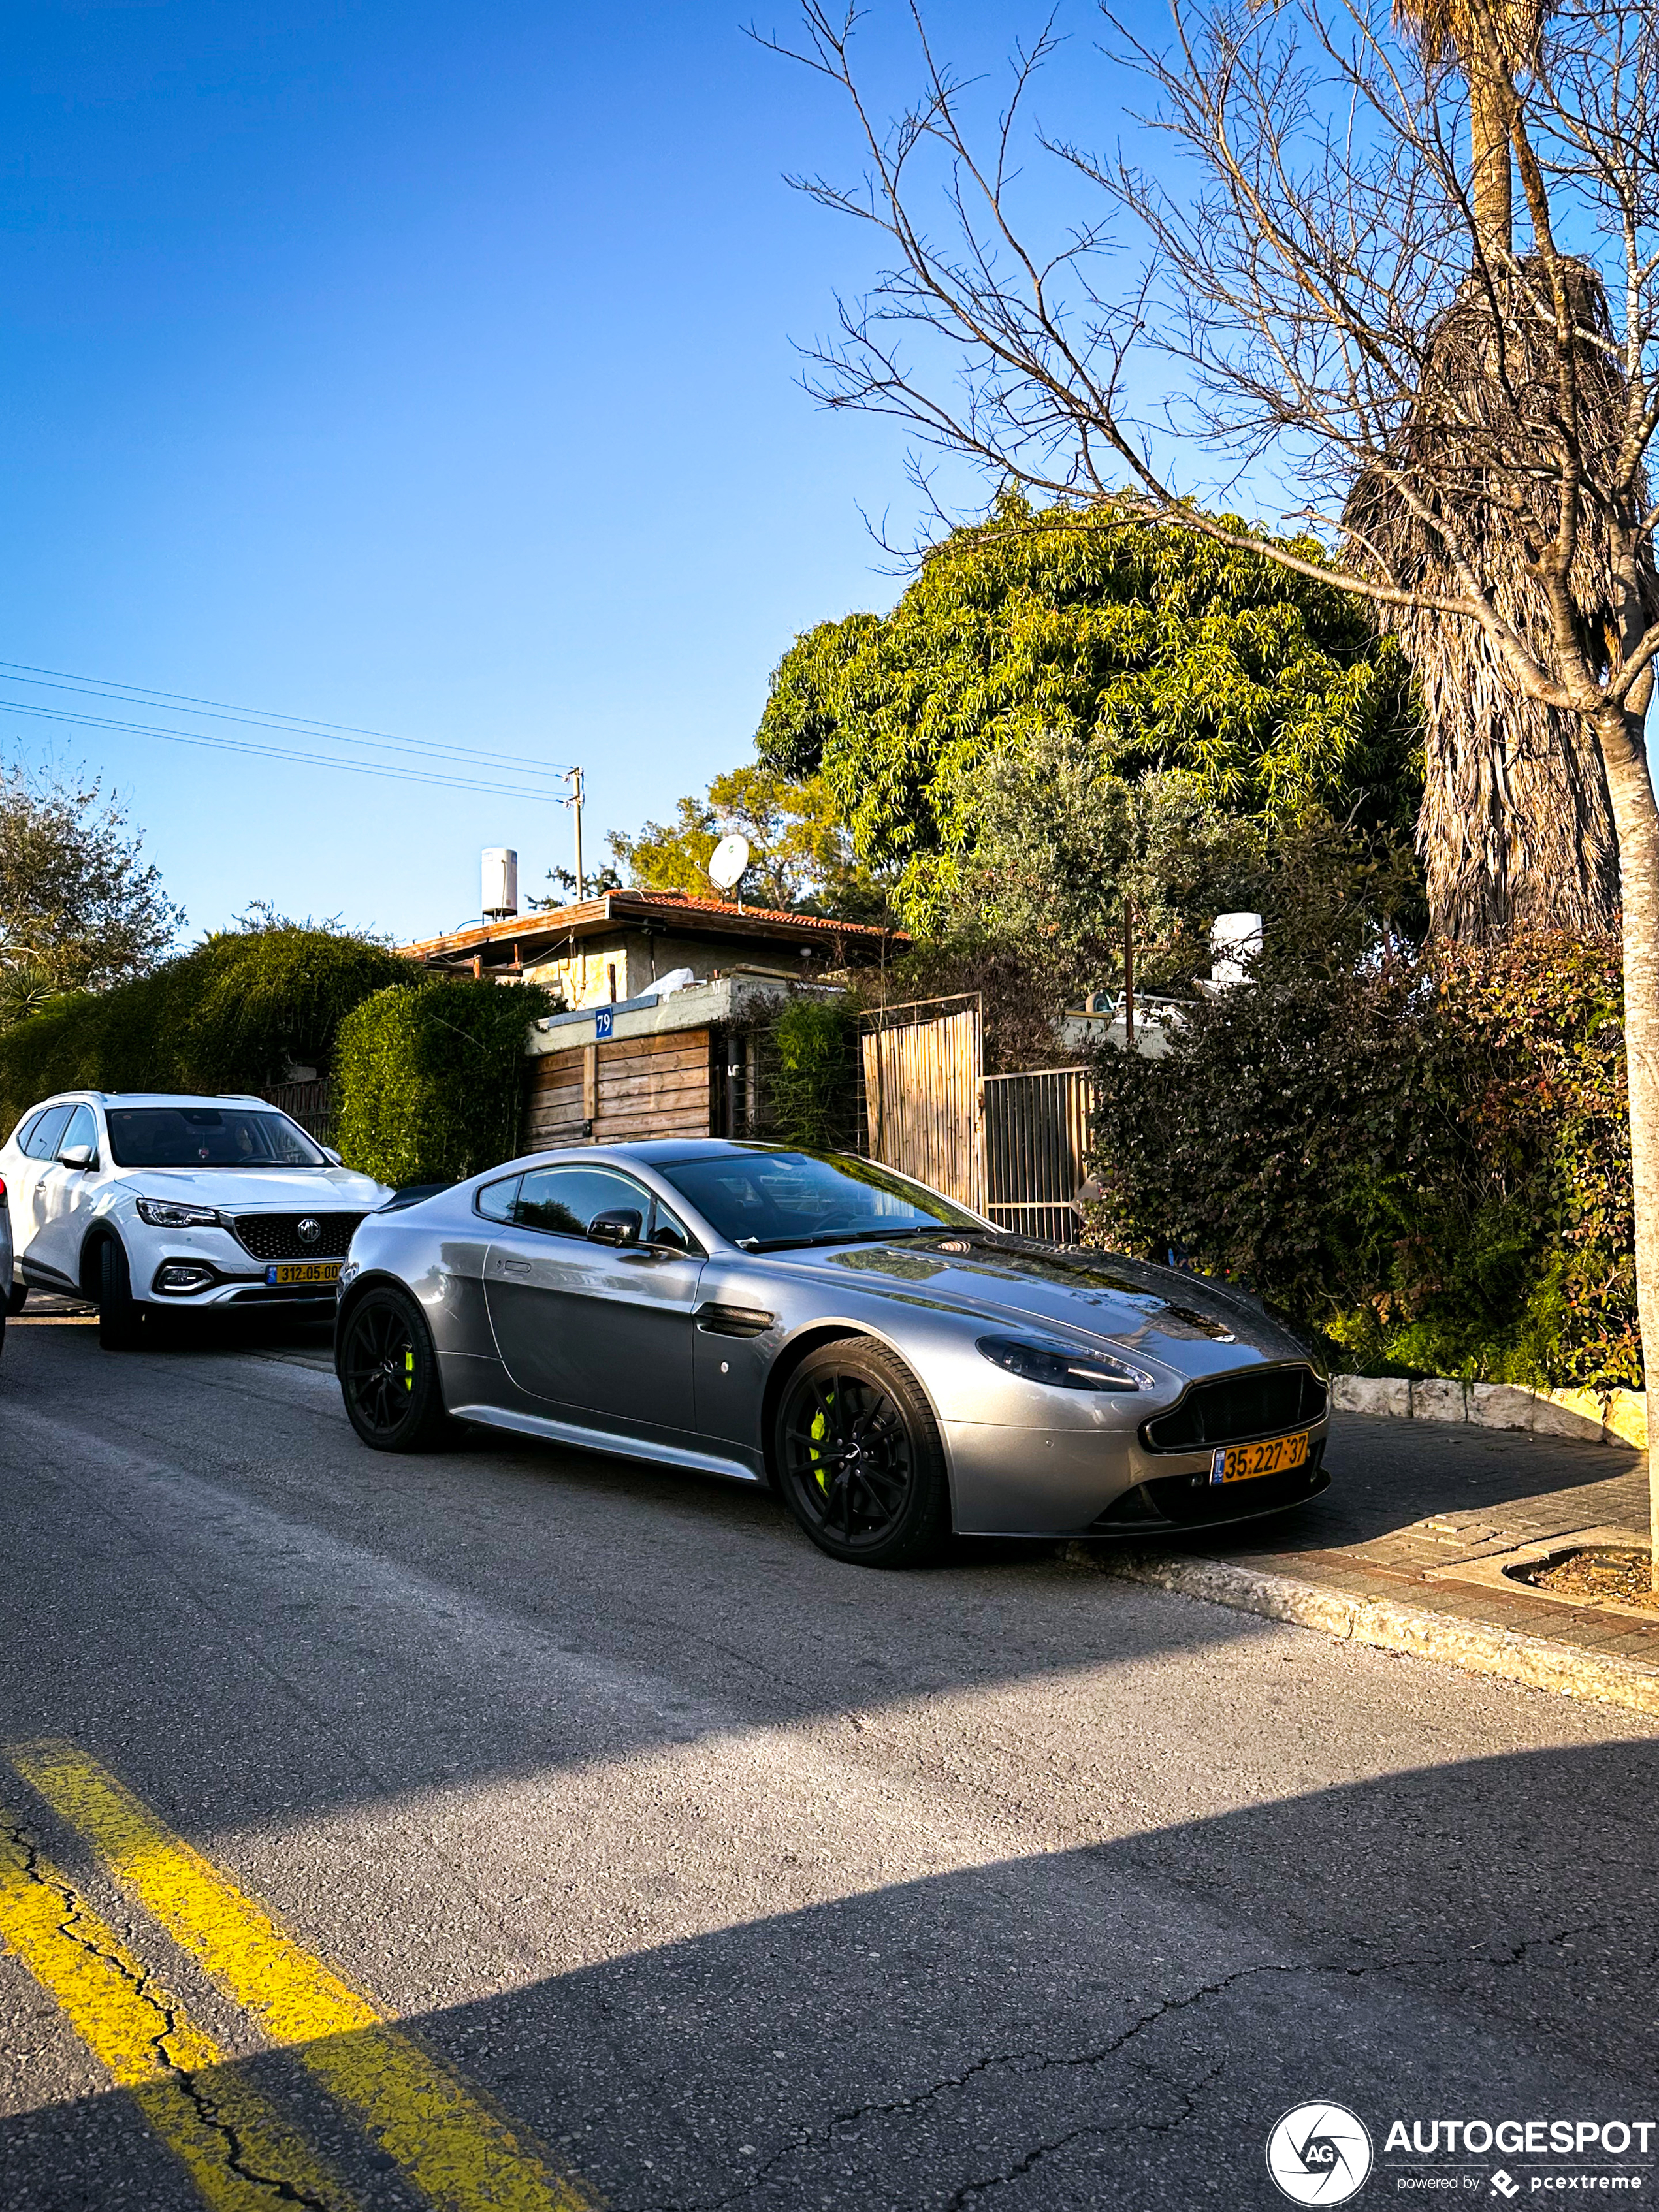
(812, 1079)
(427, 1078)
(228, 1015)
(1427, 1162)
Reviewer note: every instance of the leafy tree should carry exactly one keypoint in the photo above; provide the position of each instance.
(1270, 694)
(801, 854)
(233, 1013)
(79, 908)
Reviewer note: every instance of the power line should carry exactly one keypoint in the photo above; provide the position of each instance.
(282, 753)
(19, 671)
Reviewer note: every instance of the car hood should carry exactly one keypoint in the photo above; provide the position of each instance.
(1181, 1321)
(250, 1190)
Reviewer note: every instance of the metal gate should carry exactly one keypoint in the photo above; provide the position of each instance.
(1037, 1151)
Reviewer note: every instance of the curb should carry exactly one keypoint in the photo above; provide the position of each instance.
(1593, 1417)
(1533, 1660)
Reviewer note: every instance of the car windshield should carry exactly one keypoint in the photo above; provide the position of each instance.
(766, 1200)
(208, 1136)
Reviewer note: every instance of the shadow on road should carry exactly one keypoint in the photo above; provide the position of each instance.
(1076, 2029)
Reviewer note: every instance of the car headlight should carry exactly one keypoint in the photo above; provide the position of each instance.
(167, 1214)
(1065, 1370)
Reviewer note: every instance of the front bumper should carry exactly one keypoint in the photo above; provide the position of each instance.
(1077, 1482)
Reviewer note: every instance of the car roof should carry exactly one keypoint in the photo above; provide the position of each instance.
(158, 1098)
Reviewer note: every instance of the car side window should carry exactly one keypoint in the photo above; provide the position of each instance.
(496, 1201)
(43, 1136)
(562, 1201)
(667, 1231)
(81, 1130)
(24, 1130)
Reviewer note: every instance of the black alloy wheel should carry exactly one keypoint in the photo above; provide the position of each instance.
(859, 1457)
(388, 1374)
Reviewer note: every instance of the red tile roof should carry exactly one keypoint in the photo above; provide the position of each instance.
(588, 917)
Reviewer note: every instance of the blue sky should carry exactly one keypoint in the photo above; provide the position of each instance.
(427, 367)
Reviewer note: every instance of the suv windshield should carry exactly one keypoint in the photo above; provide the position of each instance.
(208, 1136)
(767, 1200)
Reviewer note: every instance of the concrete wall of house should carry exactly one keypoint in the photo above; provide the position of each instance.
(582, 972)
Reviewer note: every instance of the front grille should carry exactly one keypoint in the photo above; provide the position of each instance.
(276, 1236)
(1262, 1402)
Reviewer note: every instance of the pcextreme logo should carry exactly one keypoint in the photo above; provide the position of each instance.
(1319, 2153)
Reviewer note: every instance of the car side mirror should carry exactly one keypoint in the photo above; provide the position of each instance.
(621, 1225)
(332, 1156)
(78, 1156)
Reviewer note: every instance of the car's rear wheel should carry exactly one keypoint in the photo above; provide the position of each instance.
(388, 1372)
(859, 1457)
(120, 1317)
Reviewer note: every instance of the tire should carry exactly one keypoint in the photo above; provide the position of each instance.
(858, 1458)
(388, 1372)
(120, 1318)
(18, 1298)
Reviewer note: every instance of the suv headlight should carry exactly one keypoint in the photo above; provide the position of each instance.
(1065, 1369)
(167, 1213)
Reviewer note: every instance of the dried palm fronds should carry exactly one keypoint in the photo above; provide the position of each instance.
(1516, 830)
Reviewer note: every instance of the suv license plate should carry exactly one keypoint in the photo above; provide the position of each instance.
(304, 1271)
(1276, 1455)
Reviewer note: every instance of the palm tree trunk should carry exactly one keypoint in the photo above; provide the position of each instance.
(1637, 818)
(1492, 181)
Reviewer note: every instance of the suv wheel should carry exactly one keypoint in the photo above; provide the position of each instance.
(120, 1318)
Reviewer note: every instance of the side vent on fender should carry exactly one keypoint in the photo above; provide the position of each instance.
(715, 1320)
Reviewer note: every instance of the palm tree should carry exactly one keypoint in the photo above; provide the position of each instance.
(1516, 829)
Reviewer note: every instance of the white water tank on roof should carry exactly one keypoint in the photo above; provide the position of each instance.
(501, 883)
(1235, 940)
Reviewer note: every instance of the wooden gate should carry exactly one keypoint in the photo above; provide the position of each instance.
(921, 1068)
(620, 1091)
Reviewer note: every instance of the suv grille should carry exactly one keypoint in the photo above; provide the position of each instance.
(1236, 1407)
(276, 1236)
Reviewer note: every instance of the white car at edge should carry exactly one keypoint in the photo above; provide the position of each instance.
(6, 1278)
(148, 1201)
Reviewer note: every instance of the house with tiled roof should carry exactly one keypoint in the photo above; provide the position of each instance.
(660, 1000)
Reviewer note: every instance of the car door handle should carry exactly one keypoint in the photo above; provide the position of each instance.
(515, 1266)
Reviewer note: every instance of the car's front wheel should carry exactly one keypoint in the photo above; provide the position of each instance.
(859, 1457)
(388, 1370)
(120, 1317)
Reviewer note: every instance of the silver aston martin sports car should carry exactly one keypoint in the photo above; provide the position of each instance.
(894, 1365)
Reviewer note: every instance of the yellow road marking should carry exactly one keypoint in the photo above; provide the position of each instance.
(460, 2153)
(239, 2151)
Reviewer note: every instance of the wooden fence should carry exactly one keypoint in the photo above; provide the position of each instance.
(310, 1104)
(922, 1067)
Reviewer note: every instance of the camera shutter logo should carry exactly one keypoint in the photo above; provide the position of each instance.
(1320, 2153)
(308, 1230)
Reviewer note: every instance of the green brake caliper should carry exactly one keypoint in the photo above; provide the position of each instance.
(408, 1369)
(819, 1432)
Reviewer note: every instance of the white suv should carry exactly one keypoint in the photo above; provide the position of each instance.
(144, 1202)
(9, 1296)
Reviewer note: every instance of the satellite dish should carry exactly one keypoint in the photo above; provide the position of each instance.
(727, 861)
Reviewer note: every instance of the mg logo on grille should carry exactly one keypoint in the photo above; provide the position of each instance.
(308, 1230)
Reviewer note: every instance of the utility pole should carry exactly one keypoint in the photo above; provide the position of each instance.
(1129, 973)
(573, 776)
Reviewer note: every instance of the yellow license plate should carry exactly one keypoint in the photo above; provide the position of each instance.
(1275, 1455)
(304, 1271)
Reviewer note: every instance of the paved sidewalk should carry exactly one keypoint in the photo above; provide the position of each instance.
(1410, 1500)
(1407, 1547)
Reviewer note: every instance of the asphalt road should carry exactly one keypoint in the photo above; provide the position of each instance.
(699, 1872)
